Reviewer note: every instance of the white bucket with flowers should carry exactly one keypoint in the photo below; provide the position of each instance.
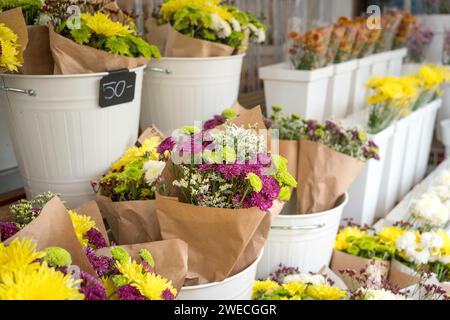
(63, 134)
(395, 64)
(200, 69)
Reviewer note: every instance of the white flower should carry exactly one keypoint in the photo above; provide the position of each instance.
(417, 257)
(375, 275)
(407, 241)
(430, 210)
(236, 25)
(220, 26)
(312, 279)
(429, 240)
(261, 35)
(381, 294)
(445, 177)
(443, 192)
(153, 170)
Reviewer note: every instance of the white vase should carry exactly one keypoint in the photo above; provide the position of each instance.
(62, 139)
(186, 91)
(298, 91)
(304, 241)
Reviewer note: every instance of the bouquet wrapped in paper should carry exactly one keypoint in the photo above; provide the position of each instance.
(407, 26)
(336, 38)
(224, 185)
(202, 28)
(429, 81)
(390, 23)
(347, 43)
(13, 40)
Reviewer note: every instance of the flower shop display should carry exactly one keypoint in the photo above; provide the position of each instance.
(127, 191)
(203, 44)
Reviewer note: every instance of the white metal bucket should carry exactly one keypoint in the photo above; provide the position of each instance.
(298, 91)
(396, 62)
(339, 90)
(237, 287)
(182, 91)
(7, 158)
(62, 139)
(304, 241)
(426, 138)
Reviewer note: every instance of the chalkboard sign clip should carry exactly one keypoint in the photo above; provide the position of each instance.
(117, 87)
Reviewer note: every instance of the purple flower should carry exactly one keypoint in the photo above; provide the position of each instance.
(312, 124)
(253, 168)
(258, 200)
(167, 295)
(271, 187)
(166, 145)
(102, 265)
(96, 239)
(230, 171)
(147, 266)
(128, 292)
(7, 230)
(92, 287)
(217, 120)
(264, 159)
(268, 123)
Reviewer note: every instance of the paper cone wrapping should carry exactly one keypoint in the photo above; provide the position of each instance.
(323, 176)
(338, 282)
(172, 43)
(217, 238)
(289, 150)
(171, 258)
(342, 260)
(402, 276)
(53, 228)
(38, 57)
(14, 20)
(91, 209)
(73, 58)
(130, 221)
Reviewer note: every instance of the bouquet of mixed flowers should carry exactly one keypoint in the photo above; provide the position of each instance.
(290, 284)
(391, 98)
(390, 23)
(309, 51)
(13, 40)
(347, 43)
(406, 28)
(418, 44)
(28, 274)
(226, 179)
(126, 193)
(203, 28)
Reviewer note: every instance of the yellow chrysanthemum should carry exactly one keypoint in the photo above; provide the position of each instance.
(170, 7)
(267, 287)
(20, 253)
(445, 249)
(295, 288)
(153, 286)
(101, 24)
(396, 92)
(42, 283)
(131, 270)
(149, 147)
(110, 288)
(6, 34)
(431, 76)
(81, 224)
(389, 235)
(9, 53)
(342, 237)
(325, 292)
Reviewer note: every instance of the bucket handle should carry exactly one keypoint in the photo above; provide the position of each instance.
(30, 92)
(160, 70)
(310, 227)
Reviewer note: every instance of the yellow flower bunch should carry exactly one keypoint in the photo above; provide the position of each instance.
(82, 224)
(389, 235)
(342, 239)
(149, 147)
(393, 91)
(326, 292)
(101, 24)
(170, 7)
(430, 77)
(445, 249)
(267, 287)
(9, 49)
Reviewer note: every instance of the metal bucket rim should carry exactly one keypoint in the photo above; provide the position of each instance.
(342, 202)
(195, 59)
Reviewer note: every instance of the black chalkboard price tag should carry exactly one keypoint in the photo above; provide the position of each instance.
(117, 87)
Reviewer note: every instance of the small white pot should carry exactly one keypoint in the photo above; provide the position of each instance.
(396, 62)
(437, 23)
(237, 287)
(298, 91)
(62, 139)
(186, 91)
(361, 76)
(339, 90)
(301, 240)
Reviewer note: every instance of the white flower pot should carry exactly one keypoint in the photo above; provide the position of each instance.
(380, 66)
(62, 139)
(304, 241)
(183, 91)
(298, 91)
(361, 76)
(426, 138)
(396, 62)
(363, 193)
(237, 287)
(437, 23)
(339, 90)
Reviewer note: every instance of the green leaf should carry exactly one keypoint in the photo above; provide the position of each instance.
(82, 35)
(118, 45)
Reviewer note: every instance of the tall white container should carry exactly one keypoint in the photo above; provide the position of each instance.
(62, 139)
(237, 287)
(361, 76)
(304, 241)
(298, 91)
(339, 90)
(426, 138)
(183, 91)
(437, 23)
(396, 62)
(7, 158)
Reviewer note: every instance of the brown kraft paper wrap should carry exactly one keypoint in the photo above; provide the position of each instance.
(73, 58)
(323, 176)
(217, 238)
(38, 57)
(172, 43)
(91, 210)
(402, 276)
(171, 258)
(14, 20)
(53, 228)
(342, 260)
